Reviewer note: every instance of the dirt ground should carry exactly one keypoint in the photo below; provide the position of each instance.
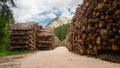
(10, 61)
(110, 56)
(57, 58)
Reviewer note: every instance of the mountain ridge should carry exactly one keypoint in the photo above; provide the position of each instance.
(56, 22)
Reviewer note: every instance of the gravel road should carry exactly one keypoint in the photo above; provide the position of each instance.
(62, 58)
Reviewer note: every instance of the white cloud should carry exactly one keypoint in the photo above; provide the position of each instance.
(51, 15)
(29, 10)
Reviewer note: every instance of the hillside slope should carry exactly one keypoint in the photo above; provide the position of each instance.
(62, 31)
(56, 22)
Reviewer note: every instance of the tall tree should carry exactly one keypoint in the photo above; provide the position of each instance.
(6, 18)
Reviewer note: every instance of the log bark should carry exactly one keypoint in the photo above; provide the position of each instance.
(95, 26)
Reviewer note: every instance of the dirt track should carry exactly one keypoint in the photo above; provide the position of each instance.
(62, 58)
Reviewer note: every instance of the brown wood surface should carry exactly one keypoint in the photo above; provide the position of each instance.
(95, 26)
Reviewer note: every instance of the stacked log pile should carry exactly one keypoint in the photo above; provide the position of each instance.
(95, 26)
(23, 36)
(45, 39)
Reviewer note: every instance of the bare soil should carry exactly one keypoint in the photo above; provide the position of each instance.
(62, 58)
(57, 58)
(10, 61)
(112, 56)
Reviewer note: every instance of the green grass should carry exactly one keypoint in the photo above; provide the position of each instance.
(4, 44)
(60, 43)
(5, 53)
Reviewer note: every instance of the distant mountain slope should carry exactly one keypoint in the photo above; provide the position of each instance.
(56, 22)
(55, 19)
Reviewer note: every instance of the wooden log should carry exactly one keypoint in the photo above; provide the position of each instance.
(101, 24)
(95, 26)
(23, 34)
(98, 40)
(45, 39)
(114, 47)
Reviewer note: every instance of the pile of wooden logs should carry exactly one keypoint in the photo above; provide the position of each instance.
(45, 39)
(31, 36)
(95, 26)
(23, 36)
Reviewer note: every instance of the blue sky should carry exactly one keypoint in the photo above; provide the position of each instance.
(43, 11)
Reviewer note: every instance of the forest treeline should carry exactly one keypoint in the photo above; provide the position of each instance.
(62, 31)
(6, 19)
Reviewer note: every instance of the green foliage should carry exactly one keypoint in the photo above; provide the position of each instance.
(62, 31)
(4, 40)
(4, 53)
(55, 19)
(6, 18)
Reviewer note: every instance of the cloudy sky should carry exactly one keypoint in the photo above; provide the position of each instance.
(43, 11)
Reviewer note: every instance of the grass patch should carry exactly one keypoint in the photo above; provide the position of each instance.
(16, 52)
(60, 43)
